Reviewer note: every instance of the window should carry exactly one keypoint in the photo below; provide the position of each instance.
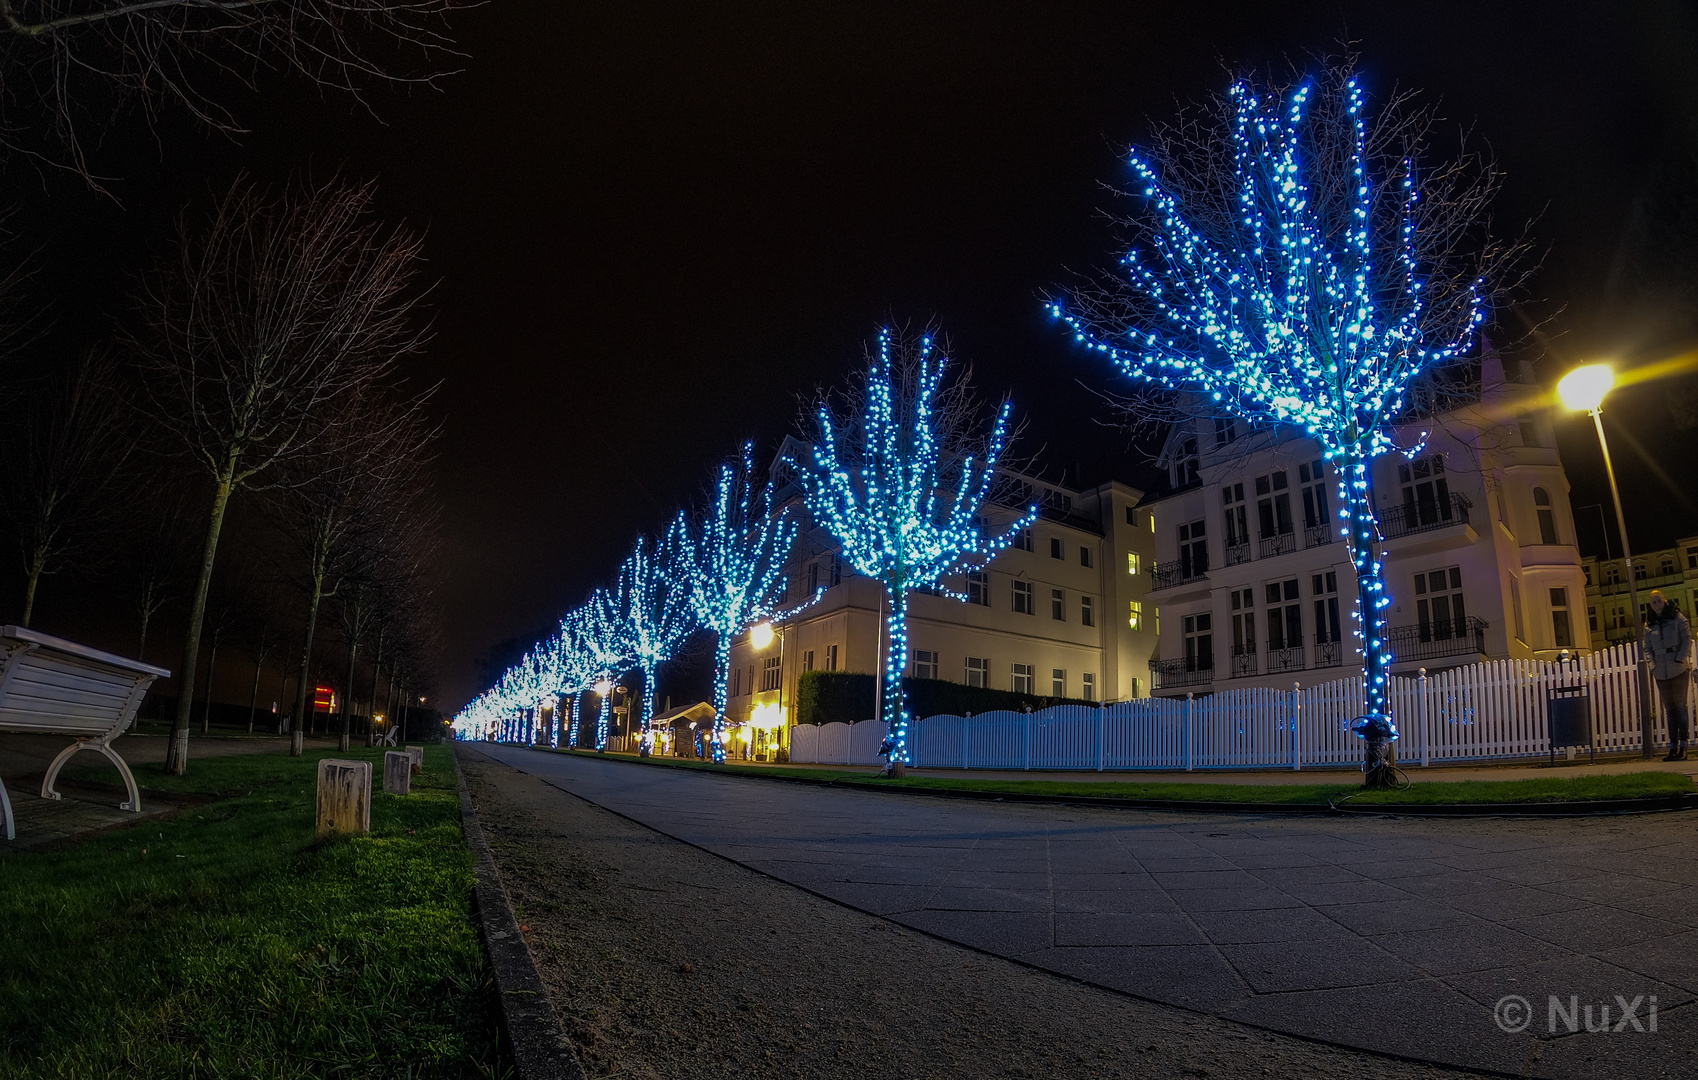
(751, 678)
(1058, 500)
(1135, 614)
(1152, 520)
(925, 664)
(1022, 597)
(1325, 590)
(1285, 617)
(1243, 631)
(1515, 607)
(808, 660)
(1559, 619)
(1529, 429)
(1237, 528)
(1313, 479)
(831, 657)
(1426, 493)
(1439, 607)
(1131, 517)
(1692, 558)
(1199, 642)
(736, 682)
(770, 673)
(1592, 619)
(1667, 566)
(783, 589)
(1185, 466)
(1058, 682)
(836, 571)
(813, 577)
(1058, 605)
(978, 670)
(1273, 505)
(978, 588)
(1084, 556)
(1133, 563)
(1226, 431)
(1023, 539)
(1020, 678)
(1193, 551)
(1547, 517)
(1087, 613)
(1055, 549)
(1088, 686)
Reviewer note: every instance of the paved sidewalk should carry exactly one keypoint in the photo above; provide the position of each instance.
(1395, 935)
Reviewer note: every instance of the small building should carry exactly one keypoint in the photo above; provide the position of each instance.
(1064, 612)
(1608, 597)
(1255, 582)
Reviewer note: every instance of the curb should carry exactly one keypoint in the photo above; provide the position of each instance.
(1586, 808)
(539, 1048)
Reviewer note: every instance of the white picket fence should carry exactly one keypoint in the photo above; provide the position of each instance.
(1494, 710)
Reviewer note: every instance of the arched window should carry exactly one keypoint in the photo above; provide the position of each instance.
(1547, 517)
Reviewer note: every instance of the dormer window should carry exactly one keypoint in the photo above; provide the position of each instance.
(1185, 466)
(1226, 431)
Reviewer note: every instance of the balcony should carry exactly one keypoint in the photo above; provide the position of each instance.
(1411, 519)
(1278, 544)
(1437, 640)
(1237, 553)
(1318, 535)
(1243, 660)
(1328, 653)
(1286, 659)
(1169, 575)
(1182, 671)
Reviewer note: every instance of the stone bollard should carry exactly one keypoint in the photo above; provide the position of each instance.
(417, 754)
(344, 797)
(398, 772)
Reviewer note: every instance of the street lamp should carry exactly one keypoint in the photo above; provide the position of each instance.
(761, 636)
(1583, 390)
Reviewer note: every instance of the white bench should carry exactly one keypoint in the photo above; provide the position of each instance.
(50, 686)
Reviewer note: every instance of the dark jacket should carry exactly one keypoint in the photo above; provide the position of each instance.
(1668, 643)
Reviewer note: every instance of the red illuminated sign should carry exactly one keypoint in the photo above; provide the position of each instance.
(324, 699)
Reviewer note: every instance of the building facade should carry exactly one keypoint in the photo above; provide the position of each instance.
(1064, 612)
(1609, 620)
(1255, 583)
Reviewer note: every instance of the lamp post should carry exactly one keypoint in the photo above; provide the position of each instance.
(1583, 390)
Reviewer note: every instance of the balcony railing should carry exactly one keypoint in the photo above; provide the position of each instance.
(1316, 535)
(1179, 572)
(1435, 640)
(1287, 659)
(1278, 544)
(1420, 517)
(1237, 553)
(1328, 653)
(1182, 671)
(1243, 660)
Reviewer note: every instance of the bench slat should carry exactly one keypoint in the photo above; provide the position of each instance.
(99, 696)
(51, 669)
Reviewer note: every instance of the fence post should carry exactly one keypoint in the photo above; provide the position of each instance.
(966, 738)
(1028, 764)
(1102, 732)
(1426, 724)
(1189, 698)
(1293, 712)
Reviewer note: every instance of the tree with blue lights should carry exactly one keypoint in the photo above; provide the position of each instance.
(653, 598)
(1292, 265)
(605, 639)
(900, 476)
(737, 550)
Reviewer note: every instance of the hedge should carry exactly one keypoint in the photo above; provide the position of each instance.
(824, 697)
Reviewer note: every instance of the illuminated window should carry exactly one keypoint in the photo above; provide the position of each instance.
(1133, 563)
(770, 673)
(1135, 614)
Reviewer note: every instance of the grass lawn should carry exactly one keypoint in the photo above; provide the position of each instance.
(1555, 789)
(224, 942)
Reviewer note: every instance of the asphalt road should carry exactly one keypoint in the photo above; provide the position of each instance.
(1394, 935)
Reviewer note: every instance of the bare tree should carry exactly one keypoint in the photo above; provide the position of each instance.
(262, 639)
(65, 484)
(272, 316)
(67, 61)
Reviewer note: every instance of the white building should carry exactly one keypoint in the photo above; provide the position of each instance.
(1064, 613)
(1255, 583)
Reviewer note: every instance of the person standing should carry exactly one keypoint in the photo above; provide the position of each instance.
(1668, 649)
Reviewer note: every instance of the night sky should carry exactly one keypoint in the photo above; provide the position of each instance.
(653, 229)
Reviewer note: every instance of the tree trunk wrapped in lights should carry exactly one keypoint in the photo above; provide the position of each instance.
(899, 477)
(739, 548)
(1292, 266)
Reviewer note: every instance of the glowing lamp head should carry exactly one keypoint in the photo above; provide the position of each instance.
(604, 687)
(761, 636)
(1583, 389)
